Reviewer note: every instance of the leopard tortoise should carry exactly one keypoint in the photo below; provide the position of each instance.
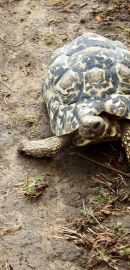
(87, 93)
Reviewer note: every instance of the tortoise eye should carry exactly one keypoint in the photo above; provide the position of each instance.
(96, 125)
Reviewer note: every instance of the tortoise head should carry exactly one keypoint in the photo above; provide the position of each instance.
(92, 127)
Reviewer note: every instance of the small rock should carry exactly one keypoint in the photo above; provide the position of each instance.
(22, 20)
(82, 20)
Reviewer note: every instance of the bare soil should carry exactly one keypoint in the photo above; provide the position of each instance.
(29, 236)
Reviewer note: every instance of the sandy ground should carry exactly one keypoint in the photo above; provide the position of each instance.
(29, 230)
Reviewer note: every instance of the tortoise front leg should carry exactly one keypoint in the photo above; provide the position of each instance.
(126, 138)
(43, 148)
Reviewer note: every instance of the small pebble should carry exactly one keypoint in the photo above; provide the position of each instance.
(82, 20)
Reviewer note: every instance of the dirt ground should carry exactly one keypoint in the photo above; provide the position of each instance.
(29, 229)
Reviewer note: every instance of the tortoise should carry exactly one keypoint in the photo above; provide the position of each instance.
(87, 93)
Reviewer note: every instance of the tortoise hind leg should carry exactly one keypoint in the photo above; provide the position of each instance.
(43, 148)
(126, 138)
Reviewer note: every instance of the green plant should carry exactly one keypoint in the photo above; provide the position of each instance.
(49, 37)
(34, 186)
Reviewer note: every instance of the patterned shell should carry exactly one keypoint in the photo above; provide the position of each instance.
(86, 77)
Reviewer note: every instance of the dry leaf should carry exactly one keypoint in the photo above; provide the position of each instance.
(99, 18)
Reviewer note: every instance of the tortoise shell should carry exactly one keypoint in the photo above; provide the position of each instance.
(89, 76)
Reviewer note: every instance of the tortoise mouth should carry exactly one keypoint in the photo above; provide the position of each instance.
(92, 127)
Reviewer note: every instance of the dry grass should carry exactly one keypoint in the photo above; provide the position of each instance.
(106, 241)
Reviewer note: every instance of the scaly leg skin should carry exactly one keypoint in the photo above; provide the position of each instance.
(43, 148)
(126, 138)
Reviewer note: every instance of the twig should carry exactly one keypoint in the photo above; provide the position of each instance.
(32, 267)
(103, 165)
(90, 230)
(123, 180)
(6, 85)
(1, 38)
(83, 5)
(60, 6)
(15, 45)
(8, 266)
(5, 100)
(11, 45)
